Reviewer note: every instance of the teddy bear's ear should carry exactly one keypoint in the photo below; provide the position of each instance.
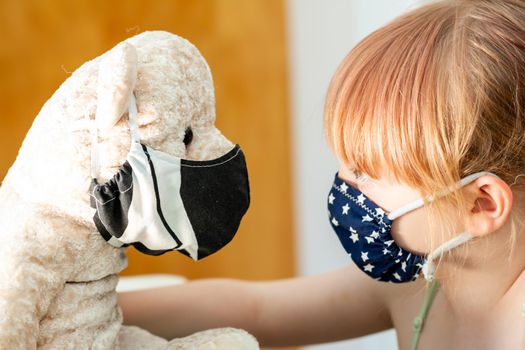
(117, 75)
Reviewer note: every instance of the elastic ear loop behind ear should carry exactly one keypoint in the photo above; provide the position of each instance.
(95, 163)
(133, 127)
(132, 119)
(429, 267)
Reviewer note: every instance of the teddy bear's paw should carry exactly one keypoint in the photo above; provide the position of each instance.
(216, 339)
(135, 338)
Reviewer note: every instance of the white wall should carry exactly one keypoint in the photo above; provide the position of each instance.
(320, 33)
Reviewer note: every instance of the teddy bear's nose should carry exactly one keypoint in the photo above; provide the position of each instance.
(188, 136)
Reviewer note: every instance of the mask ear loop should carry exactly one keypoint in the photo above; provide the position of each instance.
(95, 163)
(132, 119)
(420, 202)
(133, 127)
(429, 267)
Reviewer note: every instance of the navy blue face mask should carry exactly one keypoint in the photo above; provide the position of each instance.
(364, 230)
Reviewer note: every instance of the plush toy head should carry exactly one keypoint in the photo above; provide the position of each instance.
(165, 200)
(174, 91)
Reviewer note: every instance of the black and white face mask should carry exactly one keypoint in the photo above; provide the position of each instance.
(158, 203)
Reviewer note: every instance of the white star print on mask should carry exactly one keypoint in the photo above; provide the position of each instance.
(361, 199)
(366, 218)
(368, 267)
(331, 198)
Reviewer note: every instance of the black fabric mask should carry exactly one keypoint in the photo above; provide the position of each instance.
(158, 203)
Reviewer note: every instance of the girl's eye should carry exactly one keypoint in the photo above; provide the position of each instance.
(360, 179)
(359, 176)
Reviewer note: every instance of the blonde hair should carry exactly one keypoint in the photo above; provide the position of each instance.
(435, 95)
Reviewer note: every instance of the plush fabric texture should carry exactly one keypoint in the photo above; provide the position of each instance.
(58, 274)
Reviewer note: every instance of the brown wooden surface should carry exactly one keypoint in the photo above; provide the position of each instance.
(244, 43)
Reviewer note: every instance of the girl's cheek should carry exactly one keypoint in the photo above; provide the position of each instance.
(410, 232)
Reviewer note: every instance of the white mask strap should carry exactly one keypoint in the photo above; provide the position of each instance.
(419, 202)
(132, 119)
(429, 267)
(133, 127)
(95, 164)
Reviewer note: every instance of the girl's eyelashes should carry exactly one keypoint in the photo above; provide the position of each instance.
(360, 176)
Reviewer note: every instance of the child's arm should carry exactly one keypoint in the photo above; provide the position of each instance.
(332, 306)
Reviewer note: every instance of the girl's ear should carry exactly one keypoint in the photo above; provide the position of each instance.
(117, 75)
(491, 202)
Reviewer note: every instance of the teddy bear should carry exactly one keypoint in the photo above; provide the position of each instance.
(60, 254)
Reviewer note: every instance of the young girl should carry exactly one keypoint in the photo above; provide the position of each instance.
(427, 118)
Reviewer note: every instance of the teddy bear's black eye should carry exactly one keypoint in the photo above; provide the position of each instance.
(188, 136)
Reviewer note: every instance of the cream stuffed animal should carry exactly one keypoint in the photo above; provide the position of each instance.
(57, 274)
